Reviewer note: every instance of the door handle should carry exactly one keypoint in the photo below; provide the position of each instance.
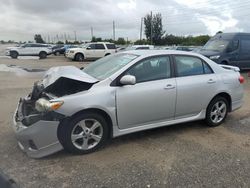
(211, 81)
(169, 86)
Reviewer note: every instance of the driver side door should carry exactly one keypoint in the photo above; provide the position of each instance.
(152, 99)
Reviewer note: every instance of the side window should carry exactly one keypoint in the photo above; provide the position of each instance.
(28, 45)
(99, 47)
(245, 46)
(207, 69)
(111, 46)
(92, 46)
(142, 48)
(233, 45)
(155, 68)
(190, 66)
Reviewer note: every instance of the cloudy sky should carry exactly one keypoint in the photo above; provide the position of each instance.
(21, 19)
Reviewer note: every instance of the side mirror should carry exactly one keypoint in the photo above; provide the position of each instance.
(128, 80)
(88, 48)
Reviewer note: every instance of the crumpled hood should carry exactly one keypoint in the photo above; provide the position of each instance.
(71, 72)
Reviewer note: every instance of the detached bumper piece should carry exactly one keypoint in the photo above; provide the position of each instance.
(36, 133)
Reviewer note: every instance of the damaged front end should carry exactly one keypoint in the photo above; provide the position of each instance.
(36, 120)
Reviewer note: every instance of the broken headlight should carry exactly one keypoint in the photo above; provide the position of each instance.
(43, 105)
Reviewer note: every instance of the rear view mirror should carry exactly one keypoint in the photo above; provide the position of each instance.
(128, 80)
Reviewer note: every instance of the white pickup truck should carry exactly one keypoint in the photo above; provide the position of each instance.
(91, 51)
(29, 49)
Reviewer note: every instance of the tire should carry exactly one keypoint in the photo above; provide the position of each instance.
(14, 55)
(217, 111)
(42, 55)
(57, 53)
(76, 135)
(79, 57)
(224, 63)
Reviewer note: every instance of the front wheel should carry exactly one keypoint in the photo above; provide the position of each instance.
(13, 55)
(42, 55)
(217, 111)
(79, 57)
(83, 134)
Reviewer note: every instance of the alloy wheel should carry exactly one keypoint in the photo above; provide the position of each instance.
(86, 134)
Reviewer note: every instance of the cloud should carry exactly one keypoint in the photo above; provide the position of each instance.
(21, 19)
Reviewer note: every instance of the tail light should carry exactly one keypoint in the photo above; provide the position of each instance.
(241, 79)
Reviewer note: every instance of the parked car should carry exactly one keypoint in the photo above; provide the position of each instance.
(91, 51)
(182, 48)
(29, 49)
(58, 49)
(229, 49)
(140, 47)
(79, 110)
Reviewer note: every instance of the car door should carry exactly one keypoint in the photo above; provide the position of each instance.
(25, 49)
(232, 53)
(152, 98)
(100, 50)
(244, 56)
(196, 85)
(90, 51)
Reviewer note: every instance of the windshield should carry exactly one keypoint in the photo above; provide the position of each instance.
(216, 45)
(105, 67)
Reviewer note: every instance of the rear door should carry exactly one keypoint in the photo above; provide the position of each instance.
(196, 85)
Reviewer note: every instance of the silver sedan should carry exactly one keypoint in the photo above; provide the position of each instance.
(79, 110)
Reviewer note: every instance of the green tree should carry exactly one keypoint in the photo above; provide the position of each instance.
(121, 41)
(157, 28)
(38, 38)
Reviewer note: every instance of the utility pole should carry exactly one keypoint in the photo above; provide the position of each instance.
(151, 29)
(65, 38)
(114, 30)
(141, 29)
(92, 33)
(75, 35)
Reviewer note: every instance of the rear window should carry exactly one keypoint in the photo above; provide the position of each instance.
(111, 46)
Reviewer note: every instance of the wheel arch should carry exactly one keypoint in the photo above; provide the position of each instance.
(79, 53)
(226, 96)
(42, 51)
(107, 54)
(90, 110)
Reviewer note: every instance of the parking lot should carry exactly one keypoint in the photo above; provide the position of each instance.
(184, 155)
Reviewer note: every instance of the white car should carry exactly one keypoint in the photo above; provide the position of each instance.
(91, 51)
(29, 49)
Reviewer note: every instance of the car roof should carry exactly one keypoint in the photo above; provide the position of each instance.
(147, 53)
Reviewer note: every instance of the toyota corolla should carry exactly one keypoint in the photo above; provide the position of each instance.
(79, 110)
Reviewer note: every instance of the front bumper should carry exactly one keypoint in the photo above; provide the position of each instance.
(36, 140)
(69, 55)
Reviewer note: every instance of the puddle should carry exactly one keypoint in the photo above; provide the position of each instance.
(21, 71)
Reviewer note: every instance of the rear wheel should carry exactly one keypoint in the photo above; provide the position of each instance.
(85, 133)
(217, 111)
(13, 54)
(79, 57)
(42, 55)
